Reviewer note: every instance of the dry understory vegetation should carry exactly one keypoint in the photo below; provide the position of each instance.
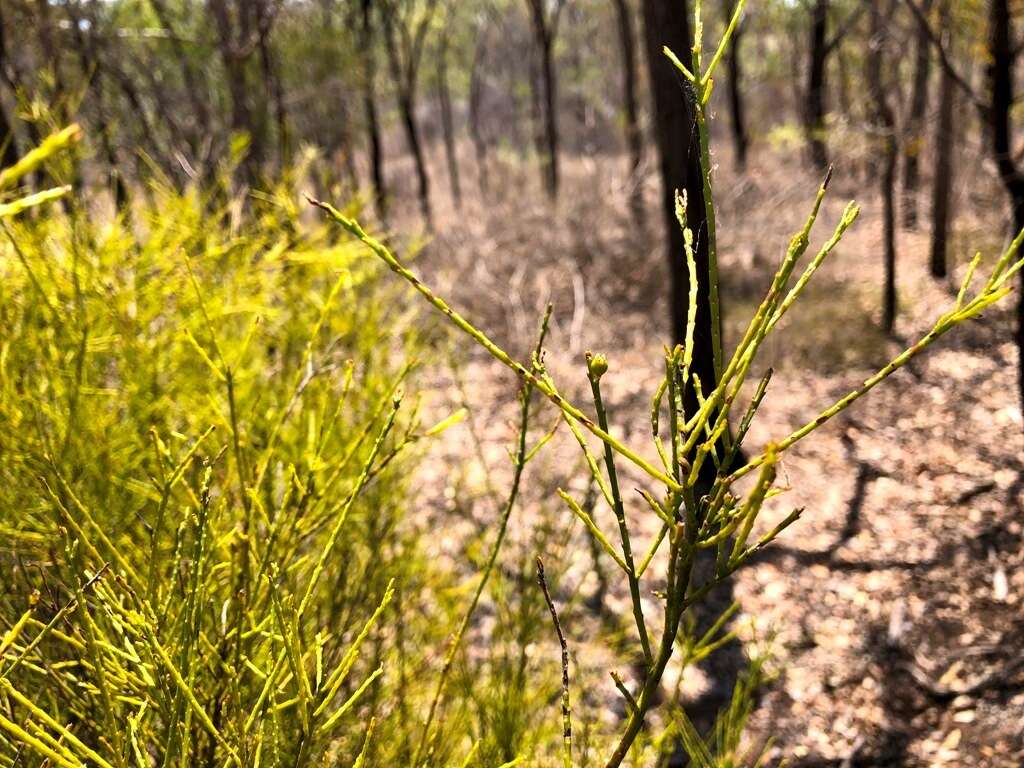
(891, 612)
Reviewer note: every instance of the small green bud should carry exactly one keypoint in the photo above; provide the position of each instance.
(597, 365)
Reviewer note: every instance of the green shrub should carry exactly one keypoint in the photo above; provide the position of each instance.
(204, 484)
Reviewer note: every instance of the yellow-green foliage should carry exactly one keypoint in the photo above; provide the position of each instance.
(201, 486)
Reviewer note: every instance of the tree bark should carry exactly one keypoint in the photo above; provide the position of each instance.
(914, 142)
(942, 184)
(737, 122)
(404, 61)
(1002, 56)
(666, 23)
(369, 59)
(814, 117)
(235, 38)
(883, 124)
(274, 90)
(544, 31)
(9, 154)
(634, 137)
(475, 97)
(200, 113)
(447, 122)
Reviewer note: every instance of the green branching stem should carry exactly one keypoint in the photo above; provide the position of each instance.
(519, 464)
(594, 374)
(382, 251)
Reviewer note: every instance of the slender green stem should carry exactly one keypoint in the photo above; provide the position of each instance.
(519, 465)
(620, 513)
(497, 352)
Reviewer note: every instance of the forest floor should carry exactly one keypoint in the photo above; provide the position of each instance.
(893, 609)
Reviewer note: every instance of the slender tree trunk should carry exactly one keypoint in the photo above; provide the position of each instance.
(543, 33)
(447, 123)
(550, 121)
(404, 63)
(843, 89)
(915, 133)
(884, 128)
(275, 91)
(369, 60)
(634, 137)
(9, 153)
(199, 132)
(407, 106)
(94, 70)
(475, 98)
(942, 184)
(234, 62)
(1000, 75)
(536, 109)
(814, 117)
(737, 122)
(666, 23)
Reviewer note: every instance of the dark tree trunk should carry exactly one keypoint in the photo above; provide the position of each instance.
(544, 38)
(275, 90)
(814, 117)
(234, 30)
(200, 113)
(1002, 56)
(9, 154)
(536, 110)
(942, 184)
(10, 76)
(407, 106)
(89, 60)
(843, 89)
(914, 142)
(737, 122)
(666, 23)
(447, 123)
(404, 62)
(883, 124)
(475, 97)
(634, 137)
(369, 59)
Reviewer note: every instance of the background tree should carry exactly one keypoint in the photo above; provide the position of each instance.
(242, 29)
(630, 110)
(476, 92)
(544, 18)
(883, 124)
(406, 24)
(444, 102)
(914, 141)
(820, 48)
(368, 58)
(737, 117)
(942, 184)
(995, 108)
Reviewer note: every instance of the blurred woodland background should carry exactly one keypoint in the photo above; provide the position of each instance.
(525, 152)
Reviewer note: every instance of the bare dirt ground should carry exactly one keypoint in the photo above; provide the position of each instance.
(894, 607)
